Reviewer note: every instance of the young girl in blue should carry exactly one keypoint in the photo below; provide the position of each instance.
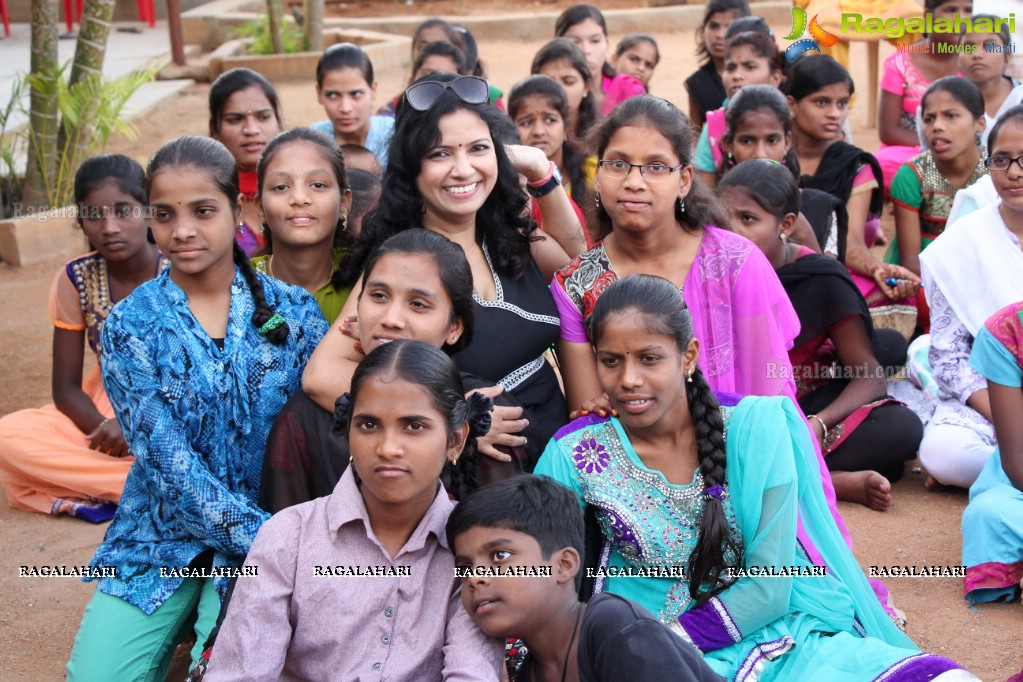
(197, 363)
(716, 494)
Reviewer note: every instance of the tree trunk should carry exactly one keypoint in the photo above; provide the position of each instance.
(90, 51)
(42, 146)
(92, 39)
(275, 10)
(314, 25)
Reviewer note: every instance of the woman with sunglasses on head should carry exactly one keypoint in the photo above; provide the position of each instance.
(436, 30)
(446, 173)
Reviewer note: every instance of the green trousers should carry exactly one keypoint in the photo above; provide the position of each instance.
(118, 641)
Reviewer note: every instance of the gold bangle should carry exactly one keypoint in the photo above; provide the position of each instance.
(824, 427)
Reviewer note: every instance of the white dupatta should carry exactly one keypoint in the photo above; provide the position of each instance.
(976, 265)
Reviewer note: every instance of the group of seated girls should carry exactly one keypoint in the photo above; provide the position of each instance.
(298, 381)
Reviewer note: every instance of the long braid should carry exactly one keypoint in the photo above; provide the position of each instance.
(264, 312)
(707, 562)
(462, 475)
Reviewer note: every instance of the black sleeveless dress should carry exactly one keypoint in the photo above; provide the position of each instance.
(510, 336)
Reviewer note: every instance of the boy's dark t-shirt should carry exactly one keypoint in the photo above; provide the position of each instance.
(621, 641)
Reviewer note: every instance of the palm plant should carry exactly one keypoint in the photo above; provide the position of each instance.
(90, 111)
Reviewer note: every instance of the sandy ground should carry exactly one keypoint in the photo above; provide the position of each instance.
(39, 617)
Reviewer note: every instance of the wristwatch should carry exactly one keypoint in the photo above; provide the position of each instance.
(544, 187)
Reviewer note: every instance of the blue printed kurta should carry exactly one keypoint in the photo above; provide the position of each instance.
(196, 418)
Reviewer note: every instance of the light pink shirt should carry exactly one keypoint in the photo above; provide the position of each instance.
(288, 623)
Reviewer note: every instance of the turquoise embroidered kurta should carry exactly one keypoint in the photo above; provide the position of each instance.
(793, 625)
(196, 418)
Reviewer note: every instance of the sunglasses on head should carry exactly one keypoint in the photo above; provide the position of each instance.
(470, 89)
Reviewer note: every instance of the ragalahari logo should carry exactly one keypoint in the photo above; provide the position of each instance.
(818, 36)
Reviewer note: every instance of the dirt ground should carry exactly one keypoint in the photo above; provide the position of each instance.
(39, 617)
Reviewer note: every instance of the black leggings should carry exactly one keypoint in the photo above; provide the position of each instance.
(883, 442)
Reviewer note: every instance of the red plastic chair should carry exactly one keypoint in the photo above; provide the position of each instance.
(7, 22)
(147, 13)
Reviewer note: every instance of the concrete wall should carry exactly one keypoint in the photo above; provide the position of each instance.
(41, 238)
(210, 24)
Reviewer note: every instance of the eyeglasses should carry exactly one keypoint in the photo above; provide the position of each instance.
(654, 172)
(1002, 163)
(470, 89)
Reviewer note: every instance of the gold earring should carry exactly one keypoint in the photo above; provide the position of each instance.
(689, 378)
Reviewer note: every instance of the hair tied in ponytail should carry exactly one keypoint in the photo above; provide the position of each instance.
(342, 408)
(275, 321)
(716, 491)
(478, 409)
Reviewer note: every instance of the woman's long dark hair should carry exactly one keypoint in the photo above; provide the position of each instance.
(768, 183)
(701, 207)
(214, 160)
(424, 365)
(503, 220)
(664, 311)
(812, 73)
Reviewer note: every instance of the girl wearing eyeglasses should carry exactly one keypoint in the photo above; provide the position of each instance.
(971, 272)
(448, 174)
(345, 87)
(655, 219)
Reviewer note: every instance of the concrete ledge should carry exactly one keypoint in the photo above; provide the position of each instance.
(384, 49)
(41, 237)
(210, 24)
(540, 26)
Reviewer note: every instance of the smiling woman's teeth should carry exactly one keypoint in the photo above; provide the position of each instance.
(464, 189)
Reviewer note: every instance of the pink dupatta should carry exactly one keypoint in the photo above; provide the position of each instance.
(746, 324)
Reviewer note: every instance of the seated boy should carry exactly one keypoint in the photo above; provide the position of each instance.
(526, 525)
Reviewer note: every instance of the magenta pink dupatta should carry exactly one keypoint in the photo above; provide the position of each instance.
(745, 324)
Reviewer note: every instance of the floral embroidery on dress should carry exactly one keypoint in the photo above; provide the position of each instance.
(586, 278)
(649, 521)
(590, 456)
